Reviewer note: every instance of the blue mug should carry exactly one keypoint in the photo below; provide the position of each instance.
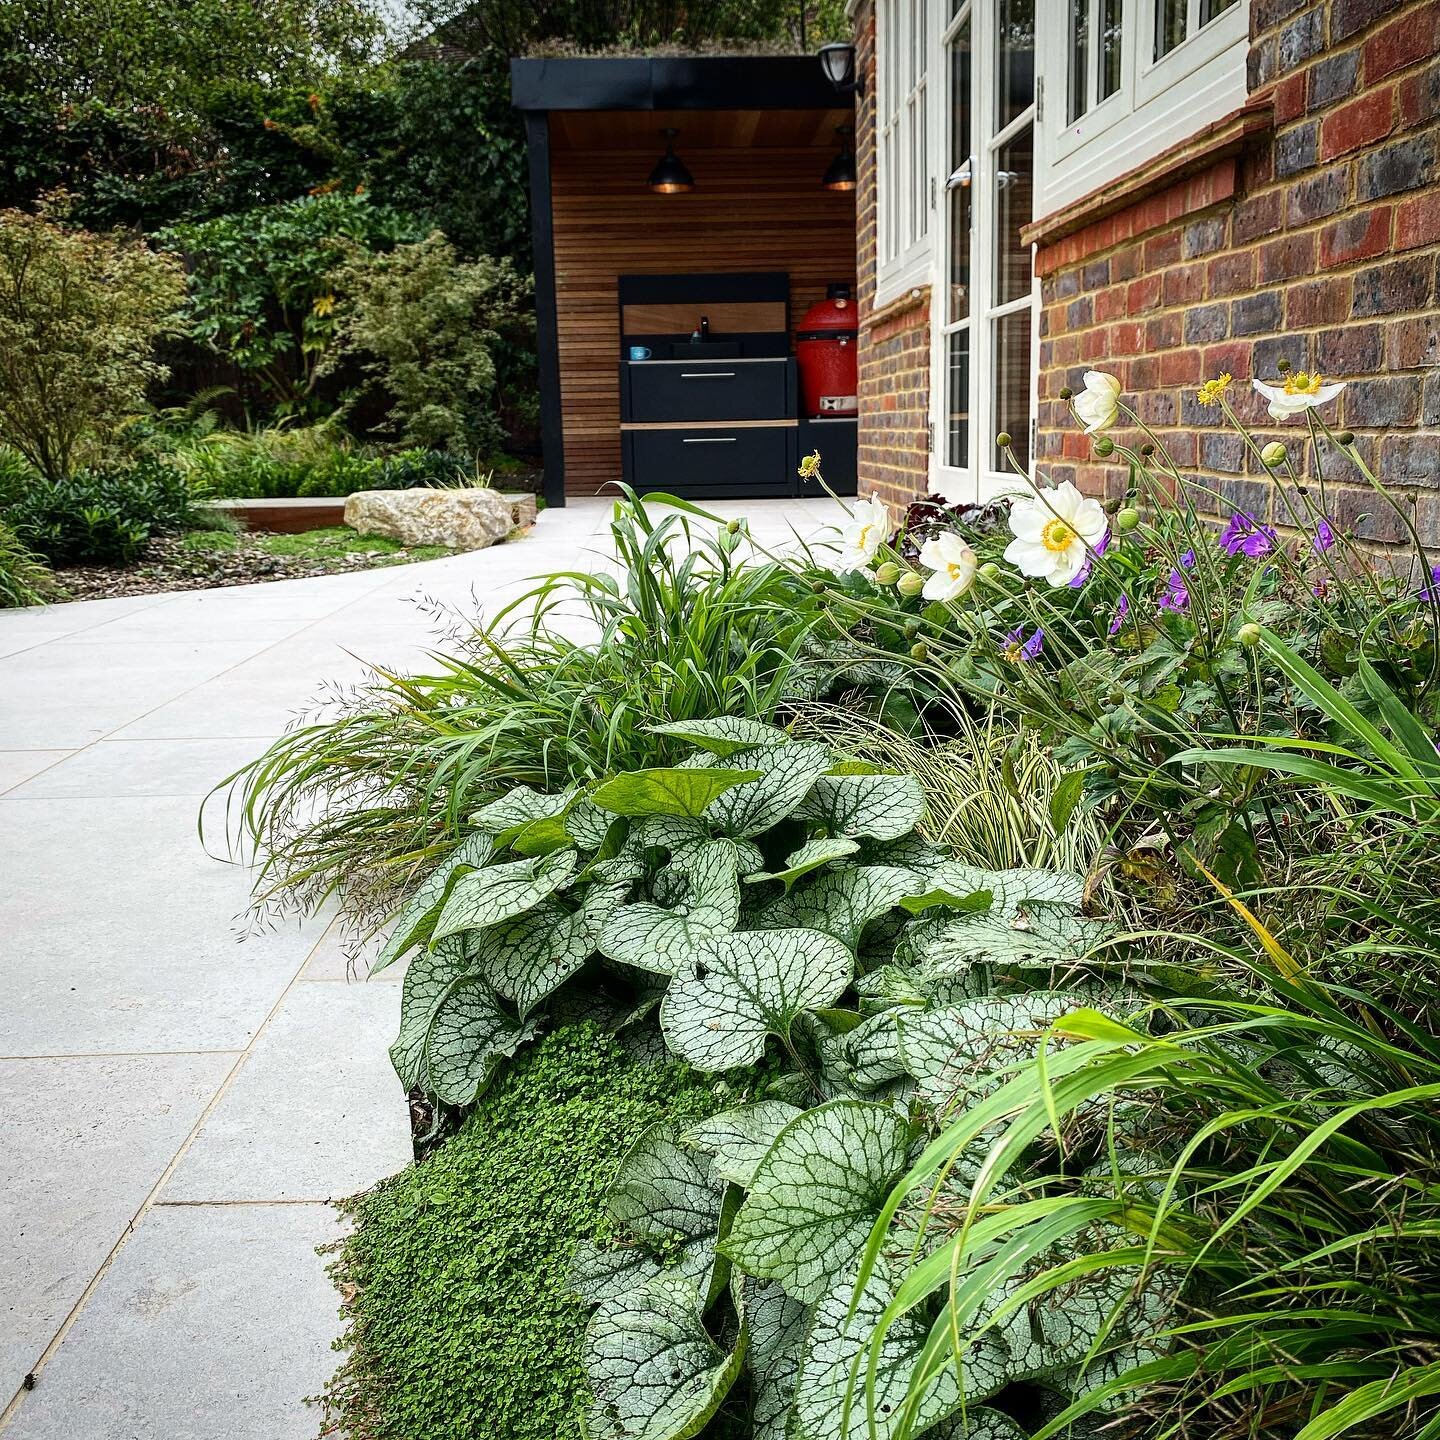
(640, 352)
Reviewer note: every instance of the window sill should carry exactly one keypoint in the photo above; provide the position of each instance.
(889, 308)
(1220, 141)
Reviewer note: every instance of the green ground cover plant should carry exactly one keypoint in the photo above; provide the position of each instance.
(324, 543)
(462, 1320)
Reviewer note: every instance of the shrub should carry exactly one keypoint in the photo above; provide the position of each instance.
(428, 330)
(104, 517)
(24, 578)
(262, 283)
(79, 318)
(462, 1320)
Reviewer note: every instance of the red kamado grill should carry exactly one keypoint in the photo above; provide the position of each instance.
(825, 350)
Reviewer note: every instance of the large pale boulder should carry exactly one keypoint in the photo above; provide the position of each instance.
(461, 519)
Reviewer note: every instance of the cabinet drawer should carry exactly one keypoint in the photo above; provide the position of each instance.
(713, 462)
(708, 390)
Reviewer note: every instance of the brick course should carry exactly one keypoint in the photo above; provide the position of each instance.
(894, 348)
(1320, 245)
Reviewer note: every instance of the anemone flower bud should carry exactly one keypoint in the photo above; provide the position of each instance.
(887, 573)
(1273, 454)
(910, 584)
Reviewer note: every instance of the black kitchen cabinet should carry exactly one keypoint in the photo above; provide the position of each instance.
(664, 391)
(713, 462)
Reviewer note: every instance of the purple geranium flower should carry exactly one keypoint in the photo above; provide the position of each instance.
(1244, 535)
(1176, 595)
(1017, 647)
(1324, 536)
(1432, 590)
(1187, 560)
(1121, 611)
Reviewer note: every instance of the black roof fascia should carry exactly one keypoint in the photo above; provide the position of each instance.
(693, 82)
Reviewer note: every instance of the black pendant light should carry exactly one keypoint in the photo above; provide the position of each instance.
(670, 177)
(841, 174)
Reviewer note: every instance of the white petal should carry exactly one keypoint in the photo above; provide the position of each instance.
(1327, 393)
(1270, 392)
(1066, 565)
(1089, 520)
(1029, 559)
(1027, 519)
(940, 587)
(1102, 382)
(932, 557)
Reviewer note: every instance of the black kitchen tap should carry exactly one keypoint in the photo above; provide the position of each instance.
(704, 327)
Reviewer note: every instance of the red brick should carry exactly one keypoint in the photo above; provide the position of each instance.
(1404, 41)
(1417, 221)
(1258, 215)
(1409, 344)
(1358, 236)
(1232, 358)
(1318, 302)
(1361, 122)
(1184, 285)
(1289, 98)
(1162, 250)
(1127, 339)
(1143, 295)
(1094, 345)
(1287, 258)
(1110, 304)
(1180, 367)
(1419, 97)
(1234, 273)
(1163, 332)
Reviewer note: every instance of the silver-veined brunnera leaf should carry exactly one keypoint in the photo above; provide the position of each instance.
(810, 856)
(482, 898)
(471, 1035)
(844, 1391)
(724, 735)
(881, 807)
(734, 990)
(778, 1327)
(658, 937)
(841, 902)
(780, 776)
(654, 1370)
(530, 957)
(417, 920)
(427, 981)
(1035, 934)
(737, 1140)
(816, 1195)
(685, 791)
(665, 1198)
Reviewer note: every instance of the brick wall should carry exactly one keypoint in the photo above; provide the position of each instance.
(894, 347)
(1314, 238)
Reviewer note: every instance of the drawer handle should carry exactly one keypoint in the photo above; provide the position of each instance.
(708, 440)
(707, 374)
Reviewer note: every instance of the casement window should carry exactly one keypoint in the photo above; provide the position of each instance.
(1127, 79)
(902, 138)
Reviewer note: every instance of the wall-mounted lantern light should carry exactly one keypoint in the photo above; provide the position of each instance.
(841, 174)
(838, 62)
(670, 177)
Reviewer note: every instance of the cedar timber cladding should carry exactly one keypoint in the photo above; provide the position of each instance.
(753, 209)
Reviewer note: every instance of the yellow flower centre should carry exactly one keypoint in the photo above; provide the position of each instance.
(1301, 383)
(954, 571)
(1211, 391)
(1057, 536)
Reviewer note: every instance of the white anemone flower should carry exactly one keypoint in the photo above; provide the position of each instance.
(1099, 402)
(954, 564)
(1055, 533)
(867, 528)
(1299, 393)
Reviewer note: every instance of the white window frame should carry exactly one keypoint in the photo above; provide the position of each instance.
(903, 102)
(1160, 103)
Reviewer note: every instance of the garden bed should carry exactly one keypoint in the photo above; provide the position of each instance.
(209, 559)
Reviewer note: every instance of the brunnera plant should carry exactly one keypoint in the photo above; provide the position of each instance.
(765, 909)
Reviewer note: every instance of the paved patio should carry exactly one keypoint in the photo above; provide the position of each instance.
(182, 1098)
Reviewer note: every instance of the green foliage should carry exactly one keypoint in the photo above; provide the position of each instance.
(24, 577)
(79, 318)
(283, 461)
(262, 283)
(686, 630)
(103, 517)
(462, 1320)
(431, 332)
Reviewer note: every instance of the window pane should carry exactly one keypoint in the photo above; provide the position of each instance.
(1012, 387)
(1079, 101)
(1209, 9)
(1169, 25)
(959, 198)
(1110, 42)
(1014, 207)
(958, 427)
(1015, 59)
(922, 168)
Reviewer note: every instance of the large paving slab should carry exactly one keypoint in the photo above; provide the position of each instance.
(185, 1090)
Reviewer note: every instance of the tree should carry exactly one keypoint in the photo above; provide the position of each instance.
(437, 335)
(80, 315)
